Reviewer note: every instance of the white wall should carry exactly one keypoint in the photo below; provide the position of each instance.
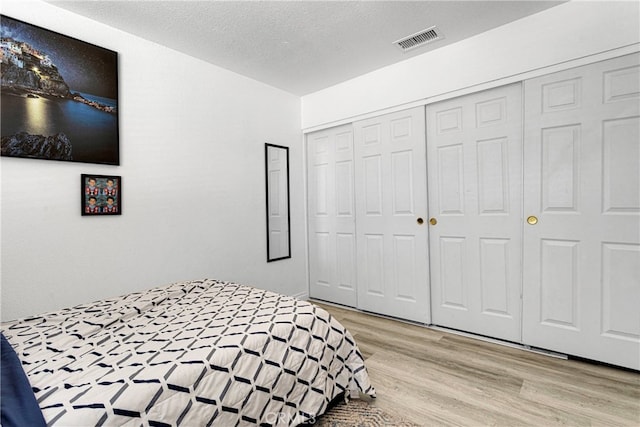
(574, 31)
(192, 164)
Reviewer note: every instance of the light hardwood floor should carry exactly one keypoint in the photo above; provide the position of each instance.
(436, 378)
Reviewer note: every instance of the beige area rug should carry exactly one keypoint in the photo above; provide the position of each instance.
(359, 413)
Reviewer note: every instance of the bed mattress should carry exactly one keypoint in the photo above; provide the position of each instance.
(193, 353)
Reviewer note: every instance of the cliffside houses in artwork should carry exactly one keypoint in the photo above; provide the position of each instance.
(15, 50)
(27, 60)
(11, 53)
(28, 70)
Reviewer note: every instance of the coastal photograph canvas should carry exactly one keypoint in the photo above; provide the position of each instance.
(59, 96)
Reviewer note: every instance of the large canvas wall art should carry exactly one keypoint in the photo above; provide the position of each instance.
(59, 96)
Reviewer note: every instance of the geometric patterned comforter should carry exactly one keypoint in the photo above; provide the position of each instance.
(192, 353)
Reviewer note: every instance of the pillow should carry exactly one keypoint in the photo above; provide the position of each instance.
(18, 406)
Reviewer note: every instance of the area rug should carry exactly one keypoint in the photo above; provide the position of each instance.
(359, 413)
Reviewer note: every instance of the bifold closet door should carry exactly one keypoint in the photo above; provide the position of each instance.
(582, 198)
(391, 214)
(331, 216)
(474, 152)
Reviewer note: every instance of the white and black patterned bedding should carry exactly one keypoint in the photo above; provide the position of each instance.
(192, 353)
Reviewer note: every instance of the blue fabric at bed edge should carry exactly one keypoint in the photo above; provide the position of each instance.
(18, 406)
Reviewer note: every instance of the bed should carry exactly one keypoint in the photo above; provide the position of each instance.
(194, 353)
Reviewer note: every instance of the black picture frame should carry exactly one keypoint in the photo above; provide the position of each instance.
(100, 195)
(59, 97)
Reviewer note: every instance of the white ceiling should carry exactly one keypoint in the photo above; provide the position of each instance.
(300, 46)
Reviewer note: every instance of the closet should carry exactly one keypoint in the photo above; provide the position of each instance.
(331, 216)
(581, 252)
(511, 213)
(370, 173)
(391, 207)
(474, 154)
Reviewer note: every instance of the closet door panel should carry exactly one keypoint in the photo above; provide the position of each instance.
(582, 184)
(390, 188)
(474, 156)
(331, 215)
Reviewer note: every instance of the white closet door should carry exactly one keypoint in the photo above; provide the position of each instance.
(582, 186)
(390, 198)
(474, 146)
(331, 215)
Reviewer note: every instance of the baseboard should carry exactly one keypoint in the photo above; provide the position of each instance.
(501, 342)
(302, 296)
(454, 331)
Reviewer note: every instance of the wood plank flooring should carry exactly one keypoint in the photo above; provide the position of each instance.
(435, 378)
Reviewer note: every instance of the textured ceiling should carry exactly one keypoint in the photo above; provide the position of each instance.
(300, 46)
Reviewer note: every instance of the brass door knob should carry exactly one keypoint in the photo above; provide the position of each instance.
(532, 220)
(433, 221)
(420, 221)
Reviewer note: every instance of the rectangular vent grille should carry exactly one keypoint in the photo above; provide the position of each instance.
(418, 39)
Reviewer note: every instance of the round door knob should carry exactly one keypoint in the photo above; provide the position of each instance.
(532, 220)
(433, 221)
(420, 221)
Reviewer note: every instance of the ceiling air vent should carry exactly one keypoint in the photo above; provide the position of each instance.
(418, 39)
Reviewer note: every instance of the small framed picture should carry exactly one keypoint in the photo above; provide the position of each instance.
(101, 194)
